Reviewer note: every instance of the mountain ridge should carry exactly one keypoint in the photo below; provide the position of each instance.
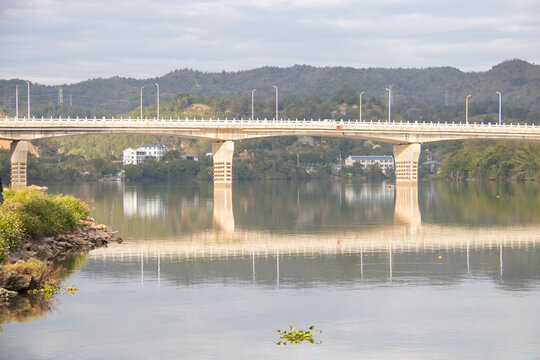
(518, 80)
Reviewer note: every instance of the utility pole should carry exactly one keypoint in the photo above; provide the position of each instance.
(28, 84)
(253, 104)
(467, 109)
(500, 100)
(389, 104)
(70, 100)
(141, 101)
(17, 101)
(276, 102)
(360, 106)
(60, 96)
(157, 101)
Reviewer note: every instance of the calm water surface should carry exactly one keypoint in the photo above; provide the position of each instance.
(445, 271)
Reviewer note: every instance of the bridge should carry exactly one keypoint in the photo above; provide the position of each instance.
(407, 137)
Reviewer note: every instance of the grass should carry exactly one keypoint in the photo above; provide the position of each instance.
(34, 213)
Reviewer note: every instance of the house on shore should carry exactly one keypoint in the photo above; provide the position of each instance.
(138, 156)
(385, 162)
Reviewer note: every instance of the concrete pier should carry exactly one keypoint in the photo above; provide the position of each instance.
(19, 160)
(406, 162)
(223, 157)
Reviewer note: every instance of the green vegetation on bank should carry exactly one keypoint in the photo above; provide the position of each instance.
(34, 213)
(496, 162)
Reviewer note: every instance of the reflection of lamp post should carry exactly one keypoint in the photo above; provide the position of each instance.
(157, 100)
(389, 104)
(252, 104)
(17, 101)
(467, 109)
(28, 84)
(141, 100)
(276, 101)
(361, 106)
(500, 100)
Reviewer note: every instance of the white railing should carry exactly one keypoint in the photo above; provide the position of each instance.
(327, 124)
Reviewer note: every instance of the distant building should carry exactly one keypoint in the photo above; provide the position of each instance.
(384, 161)
(189, 157)
(129, 156)
(138, 156)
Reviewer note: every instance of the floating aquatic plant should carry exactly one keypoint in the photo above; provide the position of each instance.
(296, 336)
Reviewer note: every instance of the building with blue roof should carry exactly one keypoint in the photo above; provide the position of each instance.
(384, 161)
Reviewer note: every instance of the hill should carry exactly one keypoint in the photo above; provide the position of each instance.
(519, 81)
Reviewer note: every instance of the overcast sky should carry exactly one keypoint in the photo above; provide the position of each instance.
(61, 41)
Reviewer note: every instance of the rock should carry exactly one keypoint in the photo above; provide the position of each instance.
(12, 280)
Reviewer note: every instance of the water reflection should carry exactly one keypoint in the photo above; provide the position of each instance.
(404, 247)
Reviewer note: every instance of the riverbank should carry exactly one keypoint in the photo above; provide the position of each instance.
(36, 230)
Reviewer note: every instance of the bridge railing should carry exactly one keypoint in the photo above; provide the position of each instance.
(346, 124)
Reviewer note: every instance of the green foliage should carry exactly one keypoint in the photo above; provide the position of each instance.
(296, 336)
(11, 230)
(498, 162)
(42, 214)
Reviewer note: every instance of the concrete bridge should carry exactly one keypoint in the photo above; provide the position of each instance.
(407, 137)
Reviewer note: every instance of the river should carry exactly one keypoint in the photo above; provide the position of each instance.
(442, 271)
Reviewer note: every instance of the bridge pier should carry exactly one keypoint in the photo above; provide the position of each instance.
(223, 156)
(406, 162)
(19, 160)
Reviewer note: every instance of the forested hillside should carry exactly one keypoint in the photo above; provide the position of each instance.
(412, 89)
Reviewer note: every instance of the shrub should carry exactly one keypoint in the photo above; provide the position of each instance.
(45, 215)
(11, 230)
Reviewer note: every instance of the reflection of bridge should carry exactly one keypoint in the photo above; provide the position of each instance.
(407, 137)
(405, 235)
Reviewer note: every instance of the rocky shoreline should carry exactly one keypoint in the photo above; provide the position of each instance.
(84, 238)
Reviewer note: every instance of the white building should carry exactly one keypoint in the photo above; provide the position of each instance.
(143, 152)
(129, 156)
(385, 161)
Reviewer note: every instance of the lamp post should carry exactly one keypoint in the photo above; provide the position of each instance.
(28, 84)
(252, 104)
(275, 87)
(389, 104)
(17, 101)
(361, 106)
(157, 101)
(141, 101)
(467, 109)
(500, 100)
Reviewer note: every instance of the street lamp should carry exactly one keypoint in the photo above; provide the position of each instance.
(252, 103)
(28, 84)
(389, 104)
(467, 109)
(141, 101)
(500, 100)
(17, 101)
(275, 87)
(157, 101)
(361, 106)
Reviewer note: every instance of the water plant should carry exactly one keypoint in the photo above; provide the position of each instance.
(296, 336)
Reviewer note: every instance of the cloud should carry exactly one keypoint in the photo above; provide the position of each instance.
(76, 40)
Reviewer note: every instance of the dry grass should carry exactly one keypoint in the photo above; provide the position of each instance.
(42, 274)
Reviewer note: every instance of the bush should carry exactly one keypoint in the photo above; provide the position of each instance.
(11, 230)
(46, 215)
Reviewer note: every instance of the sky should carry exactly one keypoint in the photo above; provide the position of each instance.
(60, 41)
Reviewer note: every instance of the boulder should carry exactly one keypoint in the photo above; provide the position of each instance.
(12, 280)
